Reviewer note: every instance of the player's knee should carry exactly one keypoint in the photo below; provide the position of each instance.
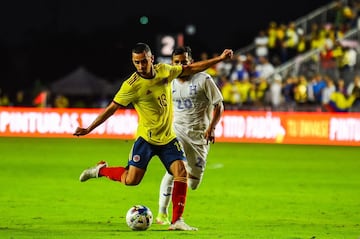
(132, 182)
(133, 176)
(132, 179)
(178, 169)
(193, 183)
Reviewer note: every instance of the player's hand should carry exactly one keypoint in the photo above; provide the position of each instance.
(227, 54)
(80, 131)
(210, 135)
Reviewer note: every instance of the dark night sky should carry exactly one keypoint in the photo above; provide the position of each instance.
(46, 39)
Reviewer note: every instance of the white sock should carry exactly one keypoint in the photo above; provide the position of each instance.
(166, 187)
(193, 183)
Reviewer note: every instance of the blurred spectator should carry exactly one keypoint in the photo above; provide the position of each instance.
(231, 94)
(288, 91)
(261, 86)
(315, 87)
(343, 14)
(339, 102)
(302, 46)
(355, 83)
(250, 65)
(281, 45)
(264, 68)
(291, 41)
(275, 92)
(239, 71)
(244, 88)
(314, 30)
(22, 98)
(316, 42)
(340, 87)
(328, 90)
(261, 44)
(328, 58)
(300, 90)
(4, 99)
(61, 101)
(224, 67)
(355, 7)
(347, 62)
(272, 42)
(221, 81)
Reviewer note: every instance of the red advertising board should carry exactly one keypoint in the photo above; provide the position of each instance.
(234, 126)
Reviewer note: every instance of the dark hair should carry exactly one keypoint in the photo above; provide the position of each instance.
(181, 50)
(140, 48)
(356, 92)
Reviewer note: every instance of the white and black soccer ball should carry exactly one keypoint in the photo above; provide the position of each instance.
(139, 218)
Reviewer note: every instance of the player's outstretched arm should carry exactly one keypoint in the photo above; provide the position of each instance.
(203, 65)
(109, 111)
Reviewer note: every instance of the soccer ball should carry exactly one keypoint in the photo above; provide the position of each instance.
(139, 218)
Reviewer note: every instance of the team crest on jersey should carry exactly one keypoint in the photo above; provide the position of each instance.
(192, 89)
(136, 158)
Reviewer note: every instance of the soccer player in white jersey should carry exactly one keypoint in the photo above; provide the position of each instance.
(197, 106)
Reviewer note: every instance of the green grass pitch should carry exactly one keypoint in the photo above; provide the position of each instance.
(252, 191)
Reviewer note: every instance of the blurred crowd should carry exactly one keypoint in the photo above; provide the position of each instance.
(250, 80)
(331, 81)
(246, 85)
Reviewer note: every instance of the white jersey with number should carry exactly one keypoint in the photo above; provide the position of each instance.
(193, 103)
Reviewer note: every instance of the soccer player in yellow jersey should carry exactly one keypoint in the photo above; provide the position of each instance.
(149, 91)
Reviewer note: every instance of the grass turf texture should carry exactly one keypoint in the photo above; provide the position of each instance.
(249, 191)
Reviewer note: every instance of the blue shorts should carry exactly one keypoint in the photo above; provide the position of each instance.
(142, 152)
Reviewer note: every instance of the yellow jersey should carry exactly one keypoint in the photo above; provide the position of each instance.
(152, 101)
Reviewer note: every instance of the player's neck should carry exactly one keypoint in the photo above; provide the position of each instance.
(183, 79)
(148, 75)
